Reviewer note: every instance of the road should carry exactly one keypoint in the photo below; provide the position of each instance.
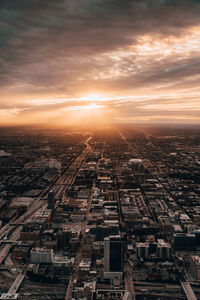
(188, 290)
(67, 179)
(74, 276)
(68, 295)
(16, 232)
(128, 280)
(129, 286)
(41, 203)
(16, 284)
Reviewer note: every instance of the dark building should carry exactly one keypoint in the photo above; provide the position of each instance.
(184, 241)
(197, 235)
(113, 254)
(103, 231)
(51, 200)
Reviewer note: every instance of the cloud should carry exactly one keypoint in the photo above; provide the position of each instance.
(121, 48)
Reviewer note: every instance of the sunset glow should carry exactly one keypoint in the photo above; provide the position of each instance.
(140, 64)
(90, 107)
(92, 97)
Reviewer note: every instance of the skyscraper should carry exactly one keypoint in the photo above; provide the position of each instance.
(51, 200)
(113, 254)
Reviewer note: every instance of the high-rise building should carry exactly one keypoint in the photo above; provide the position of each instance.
(184, 241)
(163, 249)
(142, 250)
(113, 254)
(51, 200)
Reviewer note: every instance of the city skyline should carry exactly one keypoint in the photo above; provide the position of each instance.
(70, 62)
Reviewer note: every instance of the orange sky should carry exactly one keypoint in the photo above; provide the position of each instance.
(74, 62)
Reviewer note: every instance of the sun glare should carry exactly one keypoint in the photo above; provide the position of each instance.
(93, 106)
(84, 113)
(92, 97)
(89, 107)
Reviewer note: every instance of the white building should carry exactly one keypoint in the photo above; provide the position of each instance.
(4, 157)
(41, 255)
(54, 166)
(136, 163)
(4, 153)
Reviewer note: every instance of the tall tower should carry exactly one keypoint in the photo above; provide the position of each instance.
(113, 254)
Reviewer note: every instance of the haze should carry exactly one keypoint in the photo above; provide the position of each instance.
(111, 61)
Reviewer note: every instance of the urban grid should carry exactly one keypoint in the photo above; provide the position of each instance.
(100, 214)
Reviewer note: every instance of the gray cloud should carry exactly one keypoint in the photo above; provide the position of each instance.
(49, 47)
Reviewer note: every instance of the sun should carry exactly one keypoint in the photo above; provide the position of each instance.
(92, 97)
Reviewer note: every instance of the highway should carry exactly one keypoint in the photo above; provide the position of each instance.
(188, 290)
(40, 203)
(68, 177)
(16, 232)
(16, 284)
(161, 289)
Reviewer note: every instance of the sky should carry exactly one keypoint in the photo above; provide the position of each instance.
(86, 61)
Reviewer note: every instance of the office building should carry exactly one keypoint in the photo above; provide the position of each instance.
(41, 255)
(113, 254)
(184, 241)
(163, 249)
(142, 250)
(51, 200)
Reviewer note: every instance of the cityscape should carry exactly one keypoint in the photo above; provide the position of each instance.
(100, 214)
(100, 149)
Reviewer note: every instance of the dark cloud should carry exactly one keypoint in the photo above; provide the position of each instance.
(50, 47)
